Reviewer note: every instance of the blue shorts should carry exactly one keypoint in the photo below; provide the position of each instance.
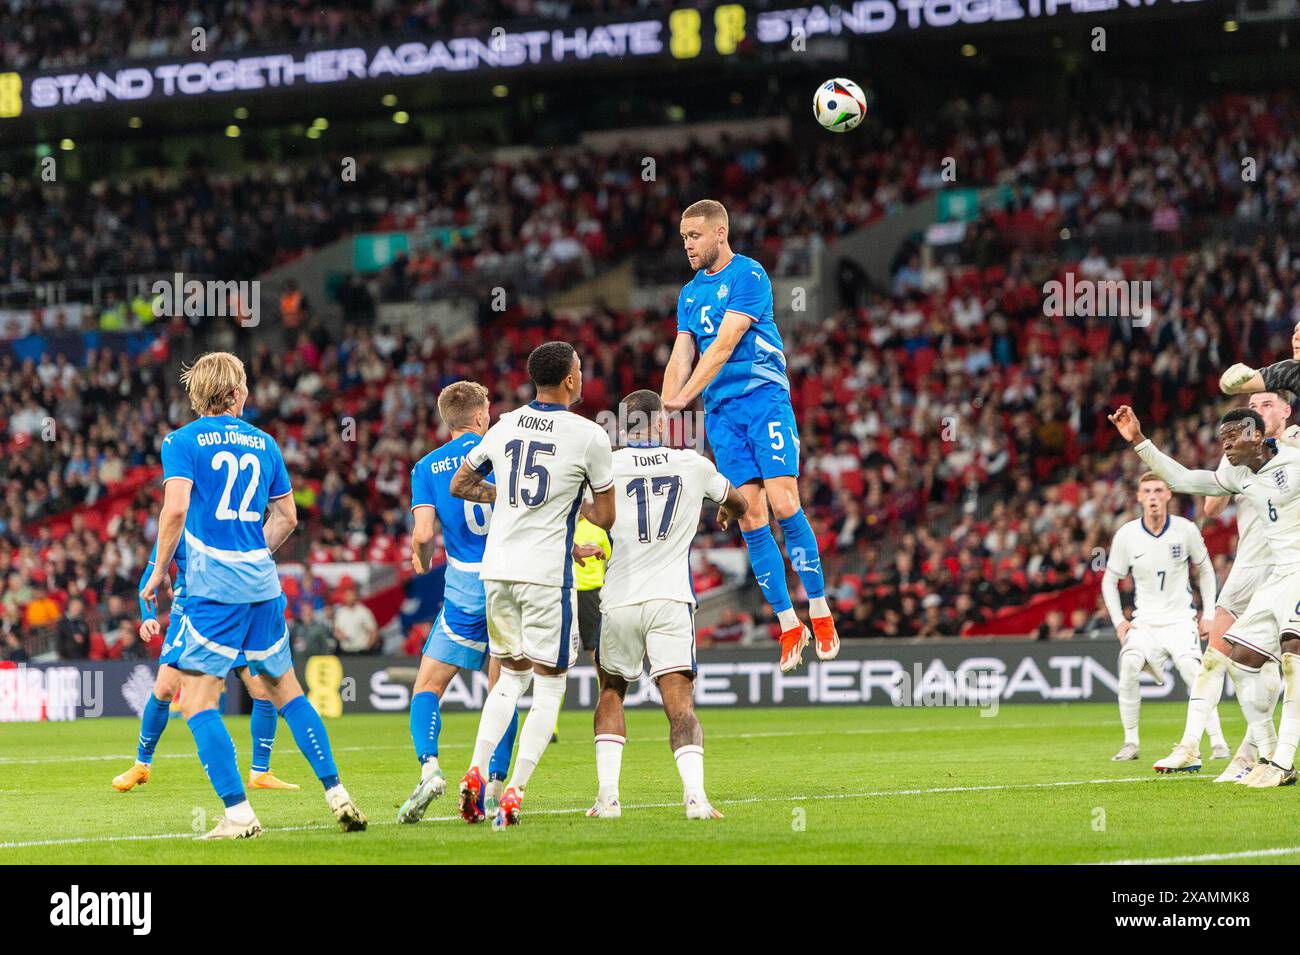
(458, 638)
(754, 436)
(174, 641)
(218, 637)
(173, 647)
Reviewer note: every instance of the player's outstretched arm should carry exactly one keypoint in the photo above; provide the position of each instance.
(468, 485)
(282, 521)
(679, 365)
(1241, 380)
(734, 326)
(171, 522)
(1178, 477)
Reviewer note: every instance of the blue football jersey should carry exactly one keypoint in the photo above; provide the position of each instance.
(178, 585)
(235, 469)
(464, 523)
(759, 358)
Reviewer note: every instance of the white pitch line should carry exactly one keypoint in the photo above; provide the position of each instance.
(874, 794)
(775, 734)
(1207, 857)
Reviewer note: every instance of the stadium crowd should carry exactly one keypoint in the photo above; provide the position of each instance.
(969, 408)
(561, 217)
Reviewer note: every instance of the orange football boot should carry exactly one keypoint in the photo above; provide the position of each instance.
(793, 642)
(827, 640)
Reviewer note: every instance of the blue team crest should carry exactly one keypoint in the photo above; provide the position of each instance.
(1176, 551)
(723, 290)
(1279, 478)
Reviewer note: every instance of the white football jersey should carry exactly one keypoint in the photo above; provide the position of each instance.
(543, 456)
(1274, 492)
(659, 492)
(1159, 563)
(1252, 545)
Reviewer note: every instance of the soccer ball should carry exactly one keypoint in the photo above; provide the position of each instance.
(840, 105)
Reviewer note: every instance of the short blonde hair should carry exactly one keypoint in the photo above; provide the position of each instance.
(710, 209)
(1151, 476)
(212, 382)
(459, 401)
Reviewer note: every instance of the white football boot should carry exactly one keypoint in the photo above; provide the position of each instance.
(227, 828)
(607, 807)
(1183, 759)
(697, 807)
(346, 813)
(1126, 752)
(1268, 775)
(431, 787)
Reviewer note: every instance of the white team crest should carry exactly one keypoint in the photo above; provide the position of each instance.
(1176, 551)
(723, 290)
(1279, 478)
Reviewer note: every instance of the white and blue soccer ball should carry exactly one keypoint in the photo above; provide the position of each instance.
(840, 105)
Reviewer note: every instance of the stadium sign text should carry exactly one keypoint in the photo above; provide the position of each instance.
(680, 34)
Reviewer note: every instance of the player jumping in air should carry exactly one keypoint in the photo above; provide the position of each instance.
(153, 720)
(219, 475)
(726, 313)
(1268, 477)
(544, 457)
(458, 640)
(1251, 568)
(1157, 549)
(648, 603)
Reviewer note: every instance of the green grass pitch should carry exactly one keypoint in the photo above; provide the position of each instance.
(871, 784)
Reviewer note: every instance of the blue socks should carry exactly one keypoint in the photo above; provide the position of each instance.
(499, 767)
(801, 547)
(309, 733)
(426, 724)
(152, 723)
(262, 725)
(217, 754)
(769, 567)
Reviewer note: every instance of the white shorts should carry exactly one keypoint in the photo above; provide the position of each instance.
(1273, 611)
(1240, 586)
(662, 630)
(533, 621)
(1165, 641)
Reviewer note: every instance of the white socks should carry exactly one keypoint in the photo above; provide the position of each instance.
(241, 812)
(1289, 732)
(818, 607)
(498, 709)
(429, 767)
(1257, 703)
(690, 765)
(609, 763)
(1130, 695)
(548, 694)
(1190, 670)
(788, 619)
(1205, 690)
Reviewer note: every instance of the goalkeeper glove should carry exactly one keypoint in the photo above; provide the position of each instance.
(1235, 377)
